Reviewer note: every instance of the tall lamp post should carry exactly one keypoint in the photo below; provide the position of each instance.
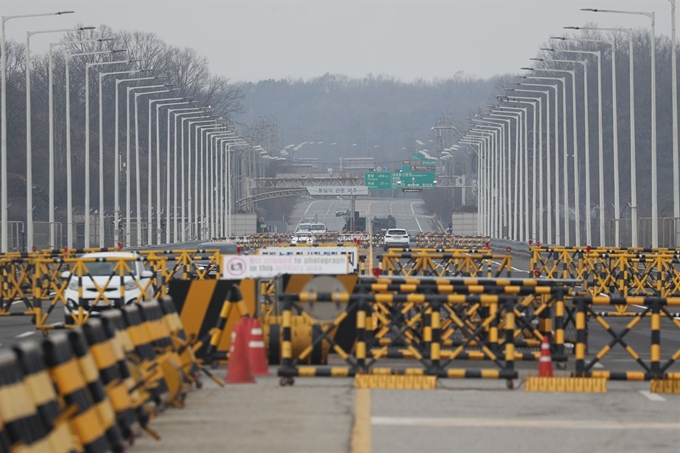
(119, 160)
(655, 208)
(29, 145)
(87, 139)
(600, 136)
(138, 171)
(149, 188)
(4, 206)
(69, 177)
(101, 147)
(584, 65)
(50, 116)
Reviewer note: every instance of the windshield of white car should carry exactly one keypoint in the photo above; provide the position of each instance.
(318, 228)
(108, 268)
(396, 232)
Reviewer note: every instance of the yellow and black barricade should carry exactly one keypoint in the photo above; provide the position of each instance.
(135, 379)
(40, 387)
(68, 378)
(100, 399)
(654, 308)
(147, 360)
(24, 427)
(199, 304)
(105, 358)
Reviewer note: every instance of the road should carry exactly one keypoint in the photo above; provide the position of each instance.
(410, 213)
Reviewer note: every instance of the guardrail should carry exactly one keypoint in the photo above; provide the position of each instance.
(454, 263)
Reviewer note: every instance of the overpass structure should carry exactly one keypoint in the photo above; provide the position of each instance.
(296, 185)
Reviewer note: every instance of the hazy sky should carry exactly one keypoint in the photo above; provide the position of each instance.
(256, 39)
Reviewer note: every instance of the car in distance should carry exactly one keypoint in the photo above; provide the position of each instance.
(304, 228)
(103, 274)
(396, 237)
(302, 238)
(317, 228)
(341, 212)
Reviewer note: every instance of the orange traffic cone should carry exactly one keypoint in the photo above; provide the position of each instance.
(545, 362)
(239, 365)
(256, 351)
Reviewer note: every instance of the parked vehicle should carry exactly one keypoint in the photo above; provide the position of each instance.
(102, 283)
(396, 237)
(304, 228)
(318, 228)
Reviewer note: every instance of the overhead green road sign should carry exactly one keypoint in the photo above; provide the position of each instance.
(378, 180)
(417, 179)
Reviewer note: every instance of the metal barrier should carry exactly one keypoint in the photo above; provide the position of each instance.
(453, 263)
(652, 308)
(621, 272)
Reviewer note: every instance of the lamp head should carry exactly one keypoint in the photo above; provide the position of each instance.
(104, 39)
(527, 69)
(537, 59)
(592, 10)
(117, 50)
(549, 49)
(63, 12)
(561, 38)
(85, 28)
(572, 28)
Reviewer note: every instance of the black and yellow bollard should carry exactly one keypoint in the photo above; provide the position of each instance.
(131, 376)
(40, 387)
(23, 425)
(71, 385)
(116, 389)
(101, 401)
(144, 350)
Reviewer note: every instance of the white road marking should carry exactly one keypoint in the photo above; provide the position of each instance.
(529, 423)
(329, 208)
(390, 207)
(310, 205)
(25, 334)
(415, 216)
(652, 396)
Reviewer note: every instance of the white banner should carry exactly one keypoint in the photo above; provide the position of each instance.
(351, 253)
(269, 266)
(338, 190)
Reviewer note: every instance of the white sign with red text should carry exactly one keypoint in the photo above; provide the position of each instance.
(269, 266)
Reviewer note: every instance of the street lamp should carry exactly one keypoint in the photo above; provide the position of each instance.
(202, 166)
(87, 138)
(116, 190)
(584, 65)
(163, 102)
(555, 177)
(101, 147)
(69, 177)
(194, 194)
(4, 206)
(515, 185)
(138, 178)
(50, 116)
(600, 135)
(494, 178)
(655, 209)
(562, 80)
(29, 145)
(540, 154)
(536, 105)
(633, 171)
(521, 177)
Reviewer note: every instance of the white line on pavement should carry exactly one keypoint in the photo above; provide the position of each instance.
(416, 217)
(652, 396)
(25, 334)
(517, 423)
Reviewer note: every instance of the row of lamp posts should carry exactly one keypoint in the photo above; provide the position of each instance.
(205, 166)
(510, 206)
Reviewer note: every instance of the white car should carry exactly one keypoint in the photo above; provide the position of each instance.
(136, 284)
(396, 237)
(302, 238)
(304, 228)
(318, 228)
